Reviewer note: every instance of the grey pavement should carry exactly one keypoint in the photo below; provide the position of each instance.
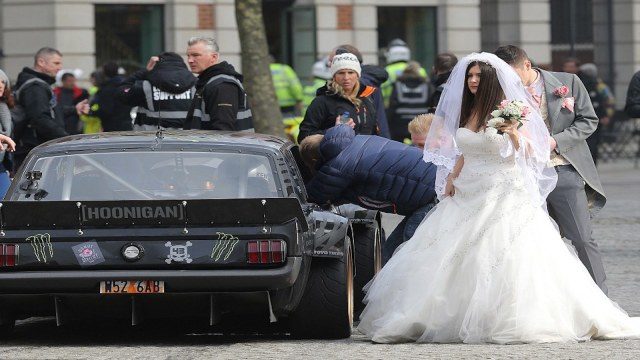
(617, 229)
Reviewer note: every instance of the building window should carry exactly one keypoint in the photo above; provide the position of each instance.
(415, 25)
(275, 14)
(297, 45)
(565, 32)
(128, 34)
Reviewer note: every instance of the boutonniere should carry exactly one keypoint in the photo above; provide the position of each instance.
(561, 91)
(567, 102)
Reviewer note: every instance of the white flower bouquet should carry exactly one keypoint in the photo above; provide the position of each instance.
(508, 112)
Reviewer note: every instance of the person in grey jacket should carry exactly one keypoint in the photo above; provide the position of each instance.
(6, 126)
(566, 108)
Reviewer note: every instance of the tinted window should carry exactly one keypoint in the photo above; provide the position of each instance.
(152, 175)
(292, 157)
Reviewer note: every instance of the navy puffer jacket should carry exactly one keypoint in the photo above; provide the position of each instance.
(373, 172)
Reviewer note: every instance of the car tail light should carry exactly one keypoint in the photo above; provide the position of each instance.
(253, 254)
(9, 254)
(266, 251)
(265, 254)
(277, 251)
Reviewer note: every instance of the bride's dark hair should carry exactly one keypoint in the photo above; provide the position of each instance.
(486, 98)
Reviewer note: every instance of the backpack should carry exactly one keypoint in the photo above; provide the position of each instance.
(21, 127)
(407, 101)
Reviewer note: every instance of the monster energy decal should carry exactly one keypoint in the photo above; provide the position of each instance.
(223, 246)
(41, 244)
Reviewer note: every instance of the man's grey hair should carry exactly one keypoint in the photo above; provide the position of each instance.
(45, 52)
(209, 42)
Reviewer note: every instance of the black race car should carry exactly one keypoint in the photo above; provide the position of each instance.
(203, 225)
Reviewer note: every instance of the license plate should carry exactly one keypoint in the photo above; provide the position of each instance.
(132, 287)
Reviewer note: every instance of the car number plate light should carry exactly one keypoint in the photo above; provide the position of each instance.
(132, 287)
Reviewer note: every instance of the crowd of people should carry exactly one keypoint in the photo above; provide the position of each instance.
(474, 201)
(169, 93)
(463, 199)
(399, 141)
(203, 93)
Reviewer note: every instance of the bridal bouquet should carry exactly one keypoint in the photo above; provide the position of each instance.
(508, 112)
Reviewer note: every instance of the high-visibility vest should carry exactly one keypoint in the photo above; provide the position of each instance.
(92, 124)
(164, 108)
(310, 92)
(287, 85)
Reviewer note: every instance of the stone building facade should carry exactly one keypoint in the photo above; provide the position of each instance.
(90, 32)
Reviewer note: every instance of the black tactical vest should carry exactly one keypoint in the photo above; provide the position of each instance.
(244, 118)
(164, 108)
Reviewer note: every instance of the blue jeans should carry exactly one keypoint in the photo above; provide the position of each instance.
(404, 231)
(5, 181)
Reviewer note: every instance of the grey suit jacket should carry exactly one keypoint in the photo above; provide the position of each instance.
(571, 129)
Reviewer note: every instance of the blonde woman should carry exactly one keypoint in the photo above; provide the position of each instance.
(344, 95)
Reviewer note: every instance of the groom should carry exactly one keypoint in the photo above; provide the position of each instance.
(566, 108)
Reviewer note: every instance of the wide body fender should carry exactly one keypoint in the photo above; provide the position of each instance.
(359, 215)
(327, 234)
(329, 229)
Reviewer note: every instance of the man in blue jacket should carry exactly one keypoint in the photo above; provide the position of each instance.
(372, 172)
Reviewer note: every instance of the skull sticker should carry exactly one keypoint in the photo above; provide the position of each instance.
(178, 253)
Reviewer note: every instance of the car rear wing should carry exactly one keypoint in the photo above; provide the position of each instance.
(126, 213)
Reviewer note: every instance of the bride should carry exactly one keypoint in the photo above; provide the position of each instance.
(488, 265)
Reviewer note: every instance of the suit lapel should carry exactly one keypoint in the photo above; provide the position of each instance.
(554, 103)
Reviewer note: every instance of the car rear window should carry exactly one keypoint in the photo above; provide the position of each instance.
(150, 175)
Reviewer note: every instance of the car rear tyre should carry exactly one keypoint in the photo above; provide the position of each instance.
(368, 259)
(326, 308)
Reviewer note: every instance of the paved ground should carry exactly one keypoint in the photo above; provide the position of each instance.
(617, 229)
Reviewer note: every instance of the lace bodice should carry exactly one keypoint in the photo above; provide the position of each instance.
(482, 148)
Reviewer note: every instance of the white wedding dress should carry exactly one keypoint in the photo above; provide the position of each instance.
(488, 266)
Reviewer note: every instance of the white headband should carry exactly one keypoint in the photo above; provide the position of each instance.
(345, 61)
